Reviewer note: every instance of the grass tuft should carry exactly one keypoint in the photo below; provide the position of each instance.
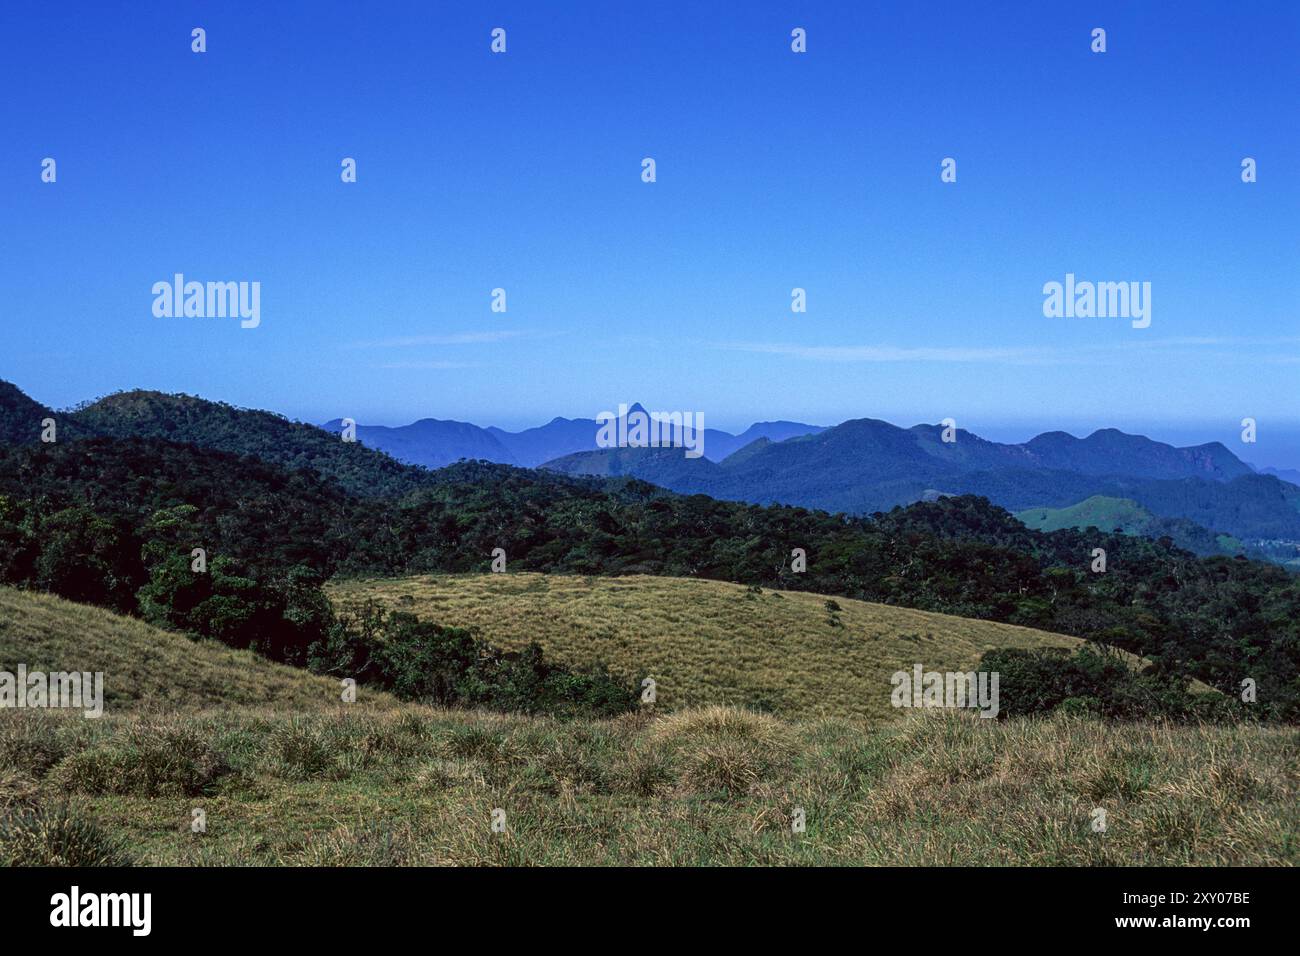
(57, 835)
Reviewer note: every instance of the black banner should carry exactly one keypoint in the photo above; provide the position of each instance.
(328, 905)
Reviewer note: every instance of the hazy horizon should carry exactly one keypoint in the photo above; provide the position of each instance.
(1278, 446)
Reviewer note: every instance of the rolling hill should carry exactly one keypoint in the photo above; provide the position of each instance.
(21, 419)
(91, 519)
(20, 416)
(1109, 451)
(80, 518)
(270, 438)
(1127, 516)
(1286, 474)
(1106, 514)
(708, 642)
(430, 442)
(146, 666)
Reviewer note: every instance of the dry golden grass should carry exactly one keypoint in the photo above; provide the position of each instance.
(708, 642)
(411, 786)
(288, 775)
(143, 665)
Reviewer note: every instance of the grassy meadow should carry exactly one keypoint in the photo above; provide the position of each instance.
(708, 642)
(287, 774)
(713, 785)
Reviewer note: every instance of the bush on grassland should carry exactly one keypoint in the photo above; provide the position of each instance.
(448, 667)
(1093, 681)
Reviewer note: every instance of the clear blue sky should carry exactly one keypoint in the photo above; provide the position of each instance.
(775, 170)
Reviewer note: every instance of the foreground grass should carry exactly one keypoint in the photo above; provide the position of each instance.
(287, 774)
(412, 786)
(792, 653)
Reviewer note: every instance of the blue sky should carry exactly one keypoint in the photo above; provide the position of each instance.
(775, 170)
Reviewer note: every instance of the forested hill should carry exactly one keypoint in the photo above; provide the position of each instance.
(21, 417)
(214, 425)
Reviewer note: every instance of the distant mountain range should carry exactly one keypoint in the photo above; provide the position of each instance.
(1203, 496)
(434, 443)
(875, 452)
(865, 465)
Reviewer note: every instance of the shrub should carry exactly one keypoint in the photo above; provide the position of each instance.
(525, 682)
(280, 617)
(424, 661)
(448, 667)
(1092, 681)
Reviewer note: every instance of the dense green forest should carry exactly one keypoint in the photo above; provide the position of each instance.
(114, 521)
(221, 427)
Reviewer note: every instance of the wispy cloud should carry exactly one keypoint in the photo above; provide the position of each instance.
(1060, 355)
(886, 353)
(427, 365)
(456, 338)
(1217, 342)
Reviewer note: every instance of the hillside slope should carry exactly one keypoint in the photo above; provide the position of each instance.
(145, 665)
(270, 437)
(1127, 516)
(291, 778)
(708, 642)
(20, 416)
